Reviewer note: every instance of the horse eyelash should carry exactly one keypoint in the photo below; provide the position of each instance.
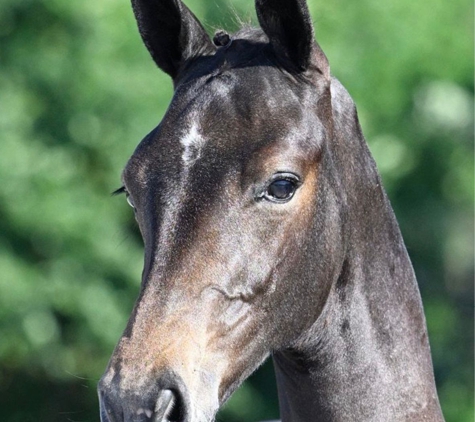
(119, 191)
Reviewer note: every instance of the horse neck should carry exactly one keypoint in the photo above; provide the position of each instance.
(367, 356)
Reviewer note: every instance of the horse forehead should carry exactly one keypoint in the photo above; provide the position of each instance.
(233, 109)
(239, 98)
(224, 106)
(226, 89)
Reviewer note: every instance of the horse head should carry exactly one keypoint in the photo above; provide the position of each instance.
(242, 195)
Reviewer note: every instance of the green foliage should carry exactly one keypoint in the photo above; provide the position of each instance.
(78, 91)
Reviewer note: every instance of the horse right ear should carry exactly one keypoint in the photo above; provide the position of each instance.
(171, 33)
(288, 25)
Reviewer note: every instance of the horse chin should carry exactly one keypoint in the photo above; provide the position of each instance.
(203, 409)
(206, 398)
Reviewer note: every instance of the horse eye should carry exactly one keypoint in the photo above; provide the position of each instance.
(130, 201)
(282, 189)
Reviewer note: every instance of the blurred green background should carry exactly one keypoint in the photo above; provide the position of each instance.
(78, 91)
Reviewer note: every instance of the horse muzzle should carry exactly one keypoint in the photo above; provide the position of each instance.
(157, 404)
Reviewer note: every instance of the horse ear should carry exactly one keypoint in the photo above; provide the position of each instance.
(288, 25)
(171, 33)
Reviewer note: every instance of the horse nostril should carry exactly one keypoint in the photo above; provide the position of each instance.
(169, 407)
(108, 414)
(165, 403)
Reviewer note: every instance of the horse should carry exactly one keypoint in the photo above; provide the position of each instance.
(267, 232)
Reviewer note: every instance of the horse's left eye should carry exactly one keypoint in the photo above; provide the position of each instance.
(130, 201)
(282, 189)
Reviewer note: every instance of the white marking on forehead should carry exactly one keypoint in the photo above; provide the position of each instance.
(192, 143)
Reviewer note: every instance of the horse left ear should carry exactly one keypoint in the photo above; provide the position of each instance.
(288, 25)
(171, 33)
